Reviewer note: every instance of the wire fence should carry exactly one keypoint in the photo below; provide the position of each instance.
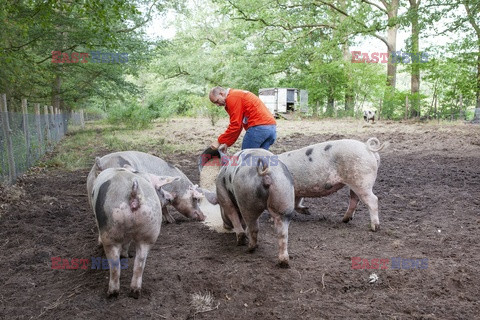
(25, 136)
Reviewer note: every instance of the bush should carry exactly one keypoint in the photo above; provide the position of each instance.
(132, 116)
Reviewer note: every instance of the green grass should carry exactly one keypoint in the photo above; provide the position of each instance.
(80, 147)
(74, 151)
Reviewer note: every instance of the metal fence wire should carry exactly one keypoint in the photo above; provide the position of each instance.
(29, 137)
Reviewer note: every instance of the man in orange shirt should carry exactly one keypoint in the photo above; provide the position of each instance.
(247, 111)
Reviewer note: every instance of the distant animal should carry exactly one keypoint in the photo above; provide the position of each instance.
(369, 115)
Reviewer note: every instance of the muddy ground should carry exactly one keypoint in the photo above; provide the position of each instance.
(429, 195)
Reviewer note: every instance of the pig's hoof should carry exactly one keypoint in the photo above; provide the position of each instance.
(169, 219)
(227, 227)
(303, 210)
(126, 255)
(134, 293)
(283, 264)
(241, 239)
(347, 219)
(375, 227)
(113, 293)
(252, 249)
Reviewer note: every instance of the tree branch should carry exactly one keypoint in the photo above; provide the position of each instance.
(141, 24)
(381, 38)
(376, 5)
(471, 19)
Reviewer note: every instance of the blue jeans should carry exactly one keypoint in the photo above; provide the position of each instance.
(260, 137)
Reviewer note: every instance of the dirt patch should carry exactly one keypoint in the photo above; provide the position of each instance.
(428, 188)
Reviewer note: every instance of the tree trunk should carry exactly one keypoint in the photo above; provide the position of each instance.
(471, 18)
(415, 76)
(392, 10)
(56, 91)
(477, 115)
(349, 97)
(330, 106)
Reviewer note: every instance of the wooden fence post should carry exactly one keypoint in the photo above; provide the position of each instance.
(53, 130)
(26, 131)
(7, 132)
(82, 119)
(460, 107)
(406, 107)
(58, 123)
(380, 109)
(48, 134)
(38, 127)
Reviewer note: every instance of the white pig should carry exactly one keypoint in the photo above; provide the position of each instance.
(321, 169)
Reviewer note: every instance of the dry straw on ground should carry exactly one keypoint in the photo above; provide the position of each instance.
(208, 175)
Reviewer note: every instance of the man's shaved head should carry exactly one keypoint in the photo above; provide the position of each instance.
(218, 95)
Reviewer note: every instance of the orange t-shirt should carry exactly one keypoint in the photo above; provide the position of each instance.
(245, 110)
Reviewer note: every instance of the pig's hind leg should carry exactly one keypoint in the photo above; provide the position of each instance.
(300, 208)
(231, 215)
(371, 201)
(124, 253)
(352, 205)
(251, 220)
(167, 216)
(113, 255)
(281, 223)
(141, 253)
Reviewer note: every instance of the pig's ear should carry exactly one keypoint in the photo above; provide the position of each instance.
(98, 167)
(196, 194)
(210, 196)
(159, 181)
(168, 196)
(130, 168)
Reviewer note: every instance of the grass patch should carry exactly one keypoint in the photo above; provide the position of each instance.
(74, 151)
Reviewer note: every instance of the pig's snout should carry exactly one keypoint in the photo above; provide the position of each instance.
(198, 215)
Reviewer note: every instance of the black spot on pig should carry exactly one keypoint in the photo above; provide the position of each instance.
(230, 178)
(327, 186)
(328, 146)
(100, 203)
(309, 151)
(171, 165)
(288, 155)
(122, 162)
(310, 159)
(260, 192)
(232, 198)
(224, 181)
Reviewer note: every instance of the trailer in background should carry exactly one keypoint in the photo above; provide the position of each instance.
(283, 100)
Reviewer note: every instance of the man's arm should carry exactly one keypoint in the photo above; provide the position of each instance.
(235, 110)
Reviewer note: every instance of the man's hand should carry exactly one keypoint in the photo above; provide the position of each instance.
(215, 145)
(223, 147)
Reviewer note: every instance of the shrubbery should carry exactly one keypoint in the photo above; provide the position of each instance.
(132, 116)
